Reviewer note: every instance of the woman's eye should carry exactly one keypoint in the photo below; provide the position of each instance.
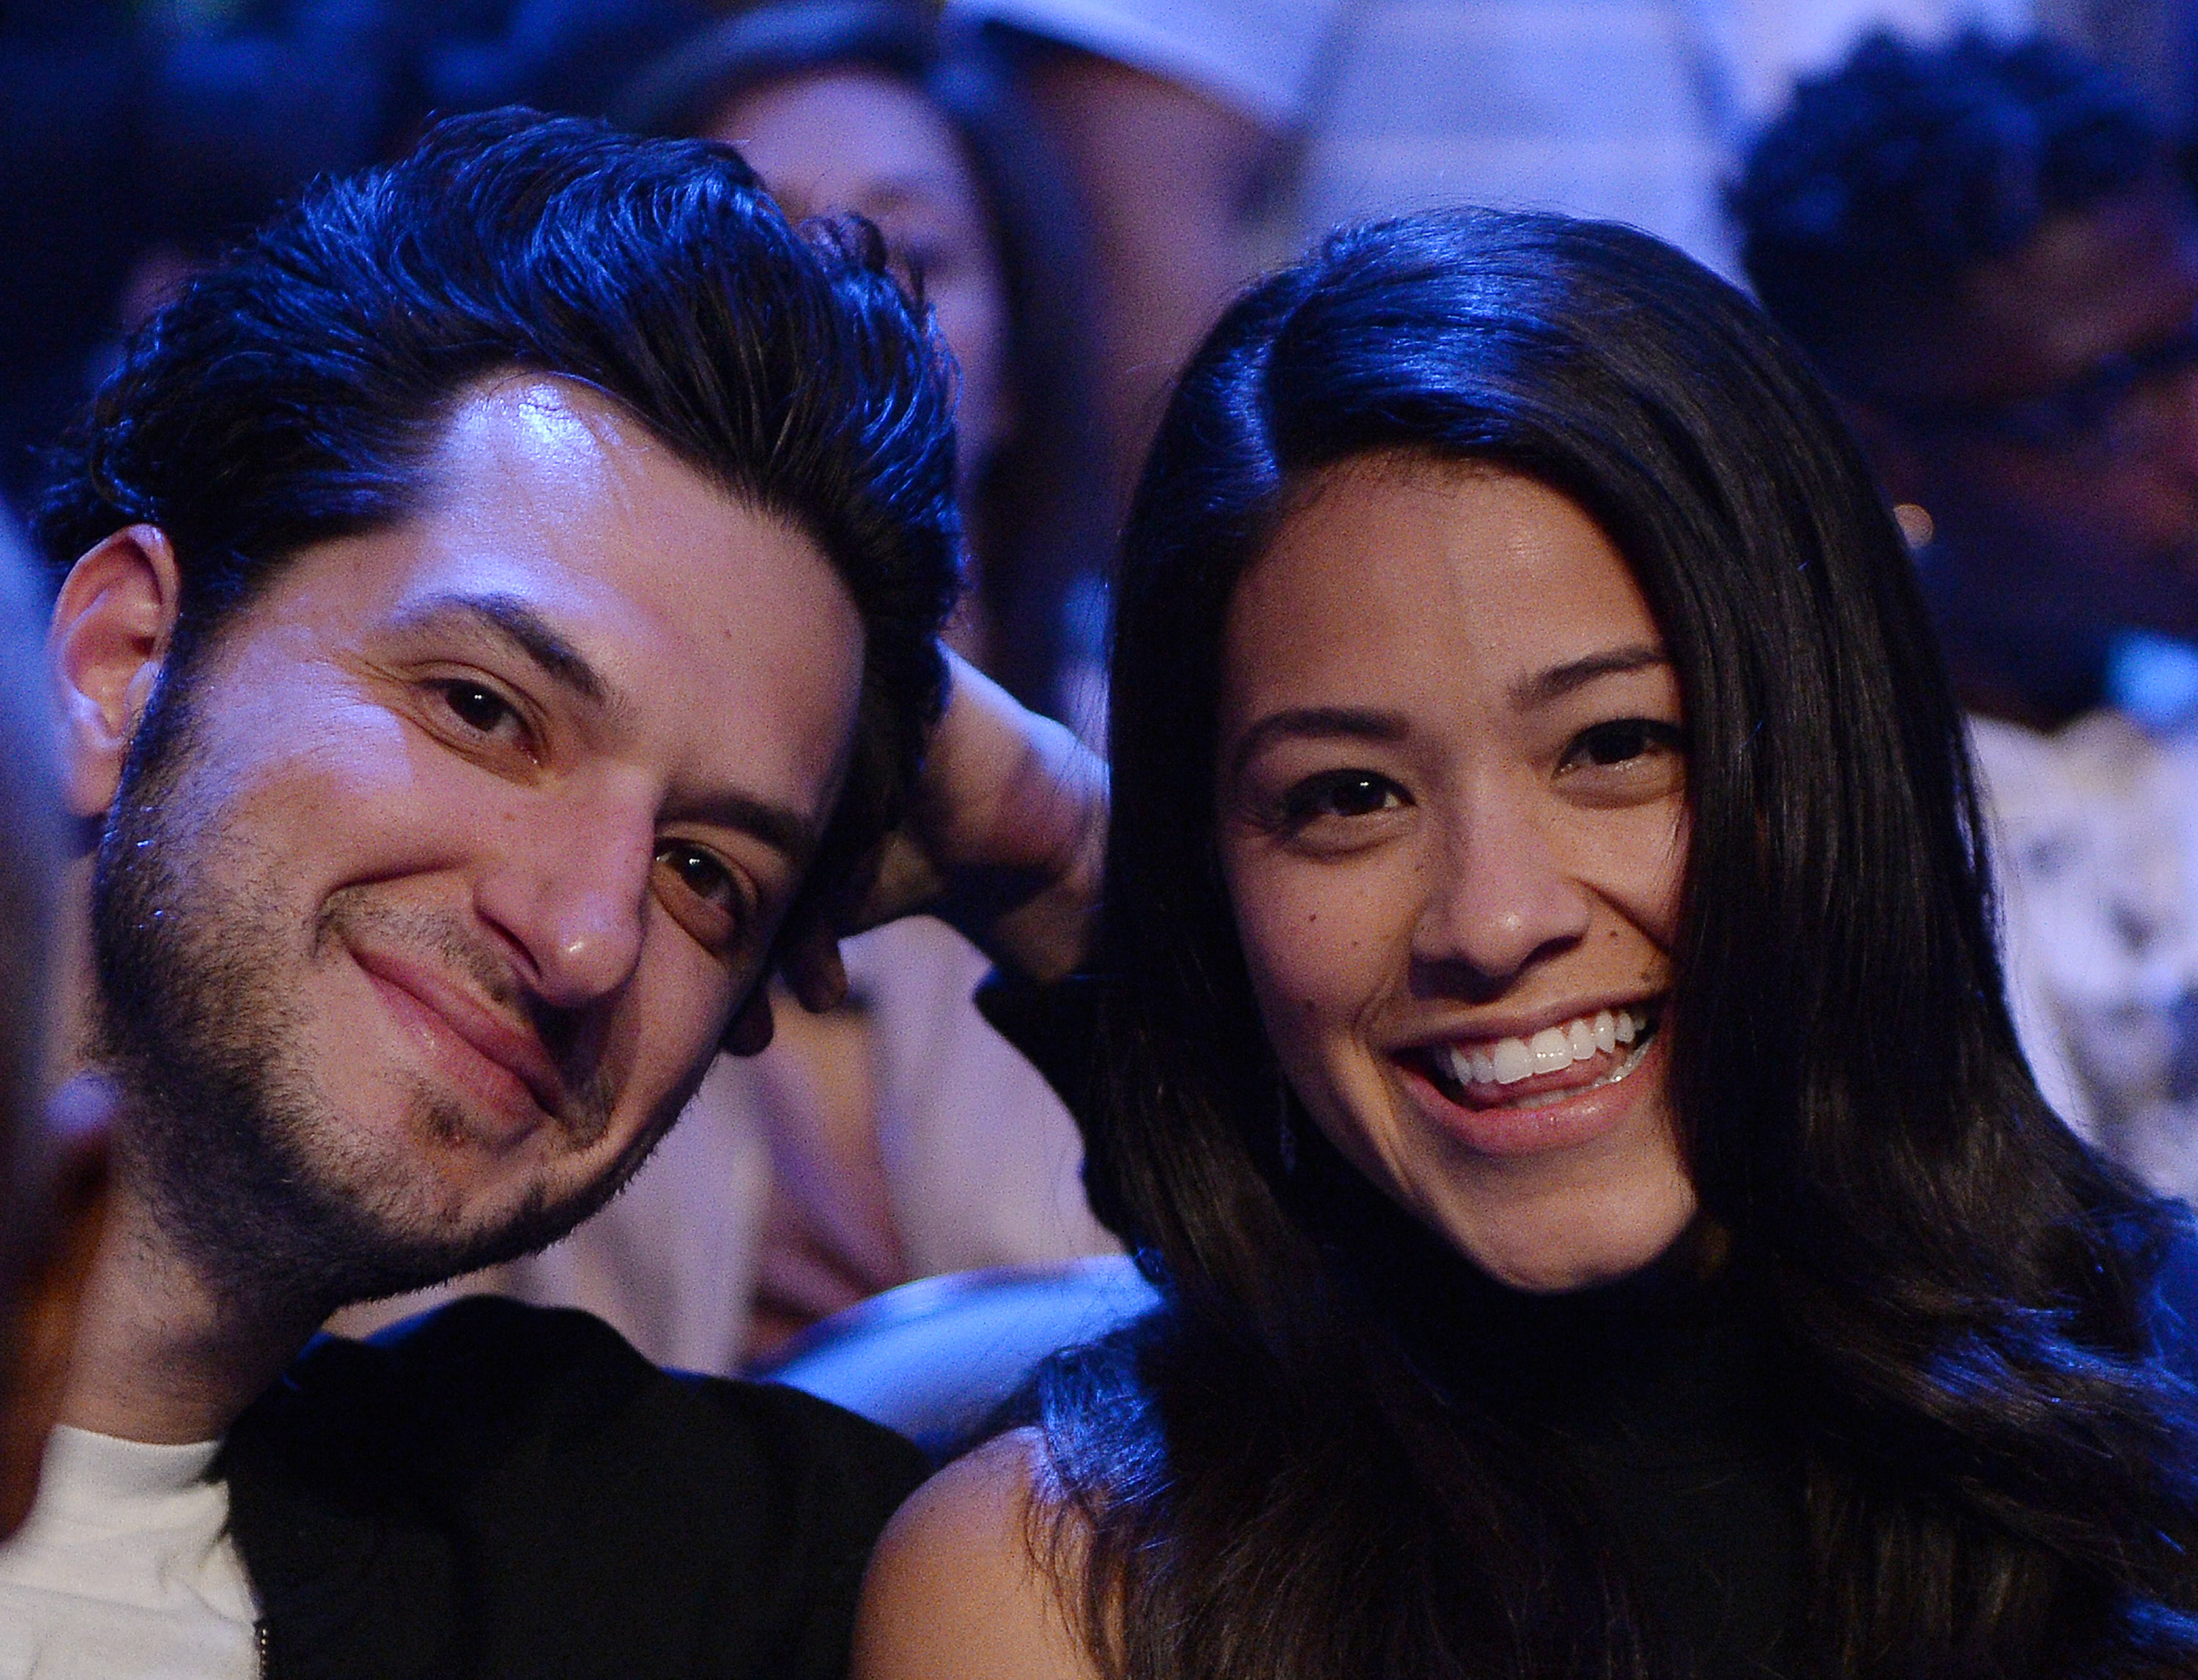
(1350, 792)
(930, 257)
(478, 707)
(1623, 741)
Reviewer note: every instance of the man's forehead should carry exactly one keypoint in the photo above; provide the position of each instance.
(532, 467)
(555, 430)
(556, 528)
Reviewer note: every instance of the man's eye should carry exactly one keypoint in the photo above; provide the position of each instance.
(700, 873)
(1348, 793)
(701, 892)
(1622, 741)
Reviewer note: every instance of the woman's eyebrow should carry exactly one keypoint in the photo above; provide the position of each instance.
(1531, 694)
(1317, 723)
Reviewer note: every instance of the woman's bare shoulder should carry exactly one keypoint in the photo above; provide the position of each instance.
(955, 1591)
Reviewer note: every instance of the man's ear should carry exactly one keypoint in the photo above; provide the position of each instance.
(39, 1324)
(748, 1032)
(112, 626)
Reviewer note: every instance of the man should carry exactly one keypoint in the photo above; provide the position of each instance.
(500, 611)
(50, 1167)
(1987, 252)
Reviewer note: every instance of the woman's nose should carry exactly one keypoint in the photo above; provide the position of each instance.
(1496, 896)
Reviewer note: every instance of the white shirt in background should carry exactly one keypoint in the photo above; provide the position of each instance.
(2094, 832)
(1634, 110)
(124, 1570)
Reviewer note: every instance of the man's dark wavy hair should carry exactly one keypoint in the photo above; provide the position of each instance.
(296, 394)
(1888, 180)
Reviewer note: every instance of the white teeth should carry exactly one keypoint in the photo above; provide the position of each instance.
(1552, 1049)
(1509, 1061)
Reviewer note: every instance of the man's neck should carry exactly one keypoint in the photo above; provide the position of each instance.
(160, 1354)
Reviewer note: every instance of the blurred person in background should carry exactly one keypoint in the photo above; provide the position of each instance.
(52, 1163)
(1212, 138)
(897, 1136)
(868, 108)
(906, 1138)
(1985, 249)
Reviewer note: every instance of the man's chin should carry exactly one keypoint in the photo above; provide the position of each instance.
(401, 1263)
(394, 1251)
(278, 1227)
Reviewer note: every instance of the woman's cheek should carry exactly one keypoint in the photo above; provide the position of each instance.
(1317, 965)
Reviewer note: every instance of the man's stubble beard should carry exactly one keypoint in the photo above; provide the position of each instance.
(226, 1135)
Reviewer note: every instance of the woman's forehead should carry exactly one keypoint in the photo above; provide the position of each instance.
(1391, 572)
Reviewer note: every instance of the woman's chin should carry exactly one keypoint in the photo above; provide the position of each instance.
(1581, 1246)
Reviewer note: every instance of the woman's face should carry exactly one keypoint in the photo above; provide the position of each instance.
(1453, 819)
(854, 140)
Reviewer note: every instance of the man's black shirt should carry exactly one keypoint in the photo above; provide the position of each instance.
(502, 1490)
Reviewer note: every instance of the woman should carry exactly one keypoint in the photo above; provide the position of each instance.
(1552, 1054)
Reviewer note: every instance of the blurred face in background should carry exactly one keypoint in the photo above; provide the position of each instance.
(2049, 423)
(855, 140)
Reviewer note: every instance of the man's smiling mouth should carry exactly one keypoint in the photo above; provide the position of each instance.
(1599, 1048)
(512, 1049)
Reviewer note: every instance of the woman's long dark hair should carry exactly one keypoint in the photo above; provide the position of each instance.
(1040, 521)
(1997, 1469)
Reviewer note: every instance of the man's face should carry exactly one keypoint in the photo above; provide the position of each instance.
(444, 872)
(2094, 528)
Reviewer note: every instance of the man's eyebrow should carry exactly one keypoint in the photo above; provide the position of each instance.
(1317, 723)
(784, 830)
(1530, 693)
(508, 618)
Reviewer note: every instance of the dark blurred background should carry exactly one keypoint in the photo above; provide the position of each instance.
(135, 139)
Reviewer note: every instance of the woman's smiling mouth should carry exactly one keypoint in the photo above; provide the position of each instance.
(1558, 1062)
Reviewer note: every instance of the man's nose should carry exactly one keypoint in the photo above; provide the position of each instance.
(1498, 895)
(569, 889)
